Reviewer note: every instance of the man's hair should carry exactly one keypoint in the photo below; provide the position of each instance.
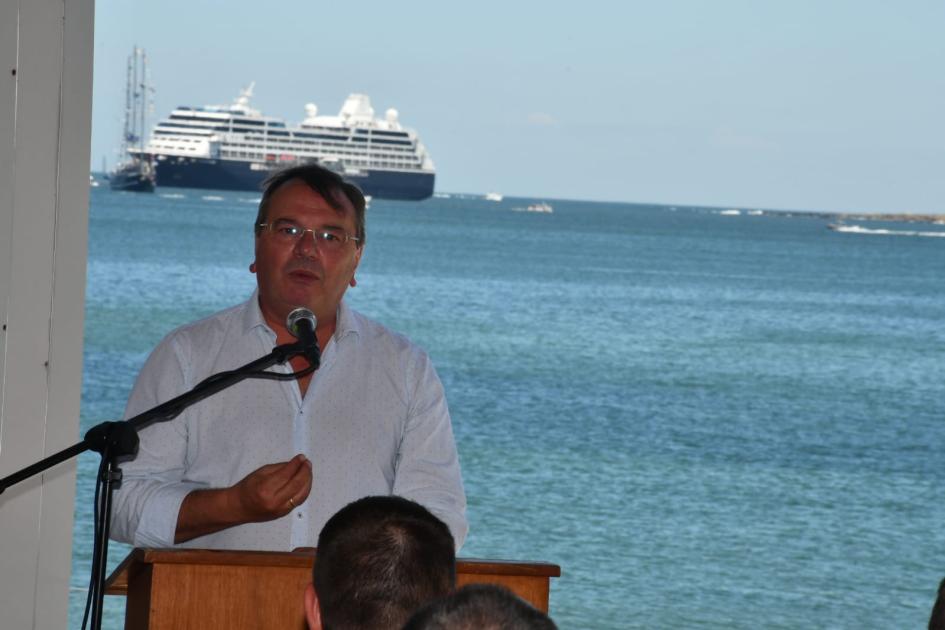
(937, 620)
(480, 607)
(380, 559)
(325, 182)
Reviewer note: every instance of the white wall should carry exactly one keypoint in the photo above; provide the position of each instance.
(45, 119)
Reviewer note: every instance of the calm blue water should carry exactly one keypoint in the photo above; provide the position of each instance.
(708, 421)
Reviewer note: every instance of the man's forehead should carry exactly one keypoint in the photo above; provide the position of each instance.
(295, 194)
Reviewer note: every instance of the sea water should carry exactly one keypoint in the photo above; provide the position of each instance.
(708, 419)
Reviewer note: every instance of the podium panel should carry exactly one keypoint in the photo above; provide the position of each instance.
(190, 588)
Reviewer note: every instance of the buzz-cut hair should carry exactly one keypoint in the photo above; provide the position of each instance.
(379, 560)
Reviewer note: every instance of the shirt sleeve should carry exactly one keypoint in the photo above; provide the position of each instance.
(153, 486)
(428, 470)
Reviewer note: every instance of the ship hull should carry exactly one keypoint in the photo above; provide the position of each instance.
(185, 172)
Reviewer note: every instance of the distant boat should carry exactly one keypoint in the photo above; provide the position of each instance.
(493, 196)
(135, 171)
(540, 207)
(134, 176)
(731, 213)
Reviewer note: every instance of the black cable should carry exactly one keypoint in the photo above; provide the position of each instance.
(94, 572)
(277, 376)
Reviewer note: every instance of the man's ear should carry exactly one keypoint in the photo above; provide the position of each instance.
(312, 613)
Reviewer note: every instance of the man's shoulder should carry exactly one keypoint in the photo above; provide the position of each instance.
(376, 334)
(208, 328)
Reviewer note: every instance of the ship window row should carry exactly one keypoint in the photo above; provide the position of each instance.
(180, 134)
(350, 157)
(184, 126)
(209, 119)
(392, 134)
(331, 147)
(373, 132)
(314, 136)
(381, 141)
(351, 161)
(400, 142)
(381, 132)
(175, 148)
(187, 141)
(337, 145)
(375, 141)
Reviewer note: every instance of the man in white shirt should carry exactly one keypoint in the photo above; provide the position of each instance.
(264, 464)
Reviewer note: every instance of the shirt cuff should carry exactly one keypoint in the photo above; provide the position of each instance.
(157, 526)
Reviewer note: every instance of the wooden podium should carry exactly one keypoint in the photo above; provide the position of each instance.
(191, 588)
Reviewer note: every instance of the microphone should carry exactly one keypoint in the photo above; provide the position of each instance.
(301, 324)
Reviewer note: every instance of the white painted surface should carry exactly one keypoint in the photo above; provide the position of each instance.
(45, 114)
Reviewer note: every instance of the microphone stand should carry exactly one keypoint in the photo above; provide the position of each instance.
(114, 440)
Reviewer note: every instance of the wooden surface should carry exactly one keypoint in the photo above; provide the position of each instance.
(189, 588)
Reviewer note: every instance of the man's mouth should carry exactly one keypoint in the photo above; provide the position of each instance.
(303, 274)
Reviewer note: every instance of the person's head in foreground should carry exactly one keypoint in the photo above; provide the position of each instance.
(480, 607)
(379, 560)
(937, 620)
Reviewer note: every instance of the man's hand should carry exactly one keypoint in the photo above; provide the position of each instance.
(273, 490)
(267, 493)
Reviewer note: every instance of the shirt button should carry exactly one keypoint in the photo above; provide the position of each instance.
(297, 515)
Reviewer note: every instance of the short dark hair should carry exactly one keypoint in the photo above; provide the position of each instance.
(937, 620)
(481, 607)
(325, 182)
(379, 559)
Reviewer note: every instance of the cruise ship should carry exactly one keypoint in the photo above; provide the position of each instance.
(235, 147)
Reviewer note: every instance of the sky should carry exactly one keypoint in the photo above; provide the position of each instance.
(829, 105)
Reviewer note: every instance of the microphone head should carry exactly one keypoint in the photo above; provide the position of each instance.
(297, 317)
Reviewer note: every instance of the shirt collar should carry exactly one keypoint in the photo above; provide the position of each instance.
(346, 322)
(253, 317)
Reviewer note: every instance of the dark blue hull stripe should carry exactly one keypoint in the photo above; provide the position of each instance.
(235, 175)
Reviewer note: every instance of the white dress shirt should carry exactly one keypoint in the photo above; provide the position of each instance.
(373, 421)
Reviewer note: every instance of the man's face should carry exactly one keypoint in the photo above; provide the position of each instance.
(301, 273)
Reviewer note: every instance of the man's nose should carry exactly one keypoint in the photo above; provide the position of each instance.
(307, 245)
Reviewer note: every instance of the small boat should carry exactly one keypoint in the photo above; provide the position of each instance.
(135, 175)
(540, 207)
(493, 196)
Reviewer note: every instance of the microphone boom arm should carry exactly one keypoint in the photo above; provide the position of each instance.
(120, 439)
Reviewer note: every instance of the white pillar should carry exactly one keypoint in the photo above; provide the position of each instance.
(45, 122)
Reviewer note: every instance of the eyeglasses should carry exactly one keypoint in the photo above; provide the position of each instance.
(288, 233)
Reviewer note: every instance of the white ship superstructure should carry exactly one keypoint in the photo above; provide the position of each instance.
(236, 147)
